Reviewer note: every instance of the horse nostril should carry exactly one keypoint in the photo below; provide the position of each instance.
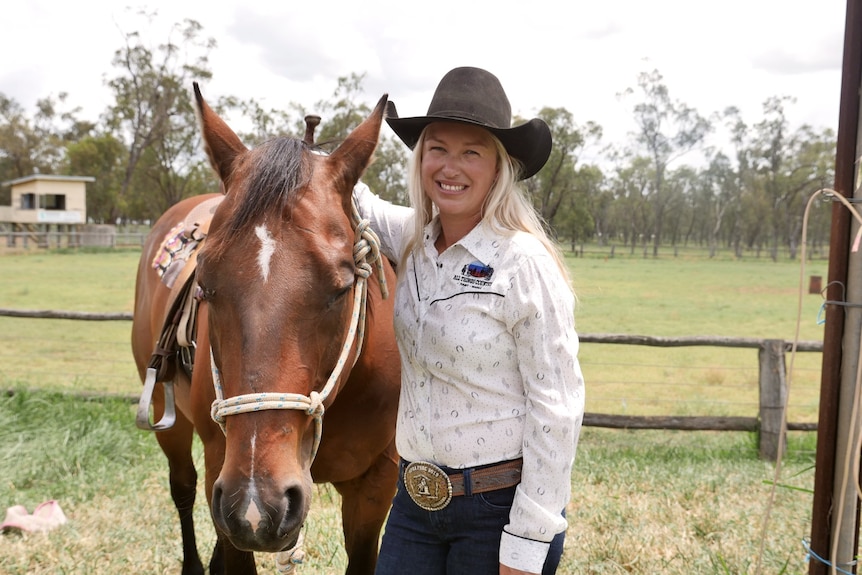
(216, 503)
(293, 499)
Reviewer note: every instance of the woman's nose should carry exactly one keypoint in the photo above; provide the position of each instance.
(450, 167)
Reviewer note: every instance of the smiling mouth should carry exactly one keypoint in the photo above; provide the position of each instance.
(451, 188)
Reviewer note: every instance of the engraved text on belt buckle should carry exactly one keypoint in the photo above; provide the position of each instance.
(428, 485)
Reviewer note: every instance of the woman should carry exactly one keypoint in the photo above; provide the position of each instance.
(492, 393)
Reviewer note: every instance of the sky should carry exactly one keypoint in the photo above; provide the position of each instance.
(576, 55)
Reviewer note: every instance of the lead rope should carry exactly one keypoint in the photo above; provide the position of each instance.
(366, 251)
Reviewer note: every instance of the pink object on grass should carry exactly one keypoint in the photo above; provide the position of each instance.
(45, 517)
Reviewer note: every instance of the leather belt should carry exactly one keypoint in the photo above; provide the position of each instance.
(432, 489)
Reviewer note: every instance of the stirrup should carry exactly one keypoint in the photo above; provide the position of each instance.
(142, 420)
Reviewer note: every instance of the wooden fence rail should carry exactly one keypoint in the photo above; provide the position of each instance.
(772, 381)
(71, 239)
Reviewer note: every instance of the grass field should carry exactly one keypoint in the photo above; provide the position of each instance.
(664, 297)
(643, 501)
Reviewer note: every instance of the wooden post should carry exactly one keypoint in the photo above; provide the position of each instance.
(836, 358)
(773, 392)
(42, 236)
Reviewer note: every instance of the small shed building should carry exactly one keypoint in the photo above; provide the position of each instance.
(47, 199)
(44, 204)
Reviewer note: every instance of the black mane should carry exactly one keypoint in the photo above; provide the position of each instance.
(276, 171)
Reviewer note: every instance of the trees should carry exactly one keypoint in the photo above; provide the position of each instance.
(101, 155)
(385, 176)
(17, 143)
(667, 129)
(552, 189)
(717, 193)
(339, 115)
(36, 145)
(647, 192)
(153, 116)
(788, 164)
(629, 185)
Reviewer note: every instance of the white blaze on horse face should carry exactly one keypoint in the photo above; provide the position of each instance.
(252, 512)
(253, 515)
(267, 248)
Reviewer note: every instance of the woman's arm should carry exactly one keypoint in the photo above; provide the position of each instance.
(542, 315)
(389, 221)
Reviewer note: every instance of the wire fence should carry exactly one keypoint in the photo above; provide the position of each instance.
(691, 383)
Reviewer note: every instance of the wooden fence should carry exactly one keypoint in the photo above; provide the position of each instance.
(772, 390)
(772, 381)
(71, 239)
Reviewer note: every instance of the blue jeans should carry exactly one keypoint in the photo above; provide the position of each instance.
(463, 538)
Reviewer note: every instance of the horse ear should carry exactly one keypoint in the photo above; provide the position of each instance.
(222, 145)
(356, 152)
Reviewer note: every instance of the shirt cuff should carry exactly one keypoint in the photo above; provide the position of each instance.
(524, 554)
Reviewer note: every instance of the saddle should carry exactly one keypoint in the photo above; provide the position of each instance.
(175, 262)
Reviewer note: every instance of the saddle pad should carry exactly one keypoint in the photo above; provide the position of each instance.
(182, 240)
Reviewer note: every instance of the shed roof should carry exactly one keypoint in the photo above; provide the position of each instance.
(50, 177)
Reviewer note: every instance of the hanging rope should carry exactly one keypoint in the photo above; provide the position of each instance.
(366, 251)
(781, 438)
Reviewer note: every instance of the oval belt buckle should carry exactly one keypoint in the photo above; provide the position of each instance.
(428, 485)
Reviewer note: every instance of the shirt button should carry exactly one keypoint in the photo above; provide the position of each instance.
(421, 384)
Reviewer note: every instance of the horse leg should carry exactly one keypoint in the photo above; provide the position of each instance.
(176, 443)
(365, 501)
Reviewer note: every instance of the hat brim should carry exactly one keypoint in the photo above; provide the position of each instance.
(529, 143)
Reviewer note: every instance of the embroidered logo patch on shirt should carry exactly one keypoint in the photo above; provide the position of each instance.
(475, 274)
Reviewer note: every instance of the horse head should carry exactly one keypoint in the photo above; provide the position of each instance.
(279, 279)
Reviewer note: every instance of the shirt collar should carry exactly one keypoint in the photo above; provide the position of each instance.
(482, 242)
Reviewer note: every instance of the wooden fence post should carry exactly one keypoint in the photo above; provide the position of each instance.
(773, 392)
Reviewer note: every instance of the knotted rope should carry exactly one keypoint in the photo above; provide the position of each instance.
(366, 251)
(287, 560)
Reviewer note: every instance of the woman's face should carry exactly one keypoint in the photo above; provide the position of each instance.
(459, 166)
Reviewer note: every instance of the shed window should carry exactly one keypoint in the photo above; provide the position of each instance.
(28, 201)
(52, 202)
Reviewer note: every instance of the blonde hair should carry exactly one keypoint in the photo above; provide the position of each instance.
(506, 208)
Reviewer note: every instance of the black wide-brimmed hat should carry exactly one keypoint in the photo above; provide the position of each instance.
(475, 96)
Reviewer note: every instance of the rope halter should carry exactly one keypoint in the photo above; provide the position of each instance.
(366, 251)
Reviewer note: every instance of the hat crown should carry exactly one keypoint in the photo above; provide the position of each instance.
(472, 94)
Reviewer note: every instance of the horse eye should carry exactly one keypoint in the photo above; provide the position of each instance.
(340, 295)
(203, 294)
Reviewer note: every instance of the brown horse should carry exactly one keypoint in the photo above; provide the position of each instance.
(278, 345)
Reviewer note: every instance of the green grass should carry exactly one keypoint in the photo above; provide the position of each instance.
(643, 501)
(92, 280)
(676, 297)
(65, 354)
(695, 296)
(665, 297)
(683, 502)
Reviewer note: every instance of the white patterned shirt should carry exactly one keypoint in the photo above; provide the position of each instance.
(489, 368)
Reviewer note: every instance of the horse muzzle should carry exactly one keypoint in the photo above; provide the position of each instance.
(259, 517)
